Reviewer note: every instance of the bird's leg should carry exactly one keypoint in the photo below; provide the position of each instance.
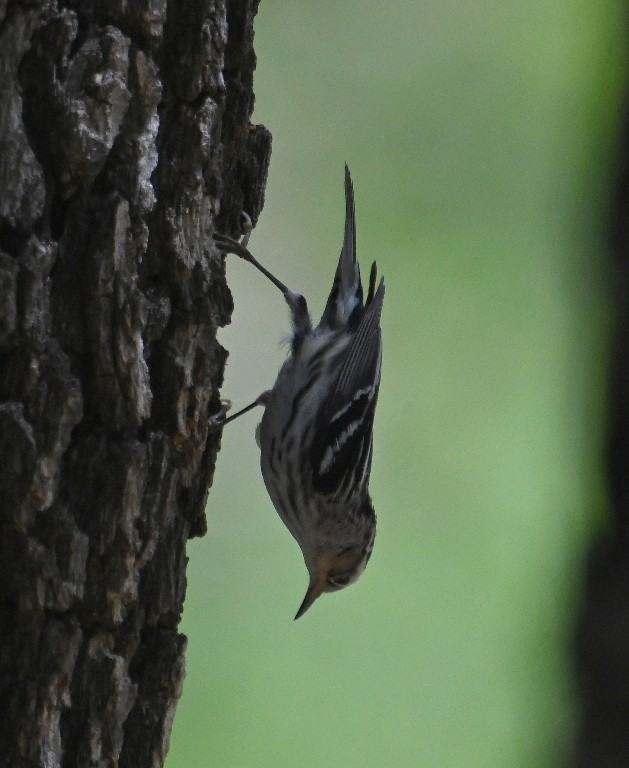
(296, 302)
(229, 245)
(221, 418)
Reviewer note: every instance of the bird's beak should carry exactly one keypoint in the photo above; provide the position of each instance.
(314, 591)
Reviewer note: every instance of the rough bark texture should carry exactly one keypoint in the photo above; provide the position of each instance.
(124, 134)
(603, 634)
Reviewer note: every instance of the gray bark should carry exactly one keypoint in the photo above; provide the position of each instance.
(124, 140)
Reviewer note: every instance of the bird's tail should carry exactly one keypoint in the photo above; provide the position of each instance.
(345, 301)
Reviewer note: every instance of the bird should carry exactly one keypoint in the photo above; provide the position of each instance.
(316, 432)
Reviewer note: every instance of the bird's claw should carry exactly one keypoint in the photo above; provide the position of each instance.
(228, 244)
(216, 421)
(236, 245)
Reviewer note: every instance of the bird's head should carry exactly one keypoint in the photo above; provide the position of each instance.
(335, 566)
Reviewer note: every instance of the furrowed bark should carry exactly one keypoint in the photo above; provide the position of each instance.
(124, 141)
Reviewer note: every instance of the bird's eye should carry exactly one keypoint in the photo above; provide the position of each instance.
(338, 581)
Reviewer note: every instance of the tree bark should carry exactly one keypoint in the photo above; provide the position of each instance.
(124, 141)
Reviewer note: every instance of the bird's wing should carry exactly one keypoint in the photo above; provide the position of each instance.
(343, 437)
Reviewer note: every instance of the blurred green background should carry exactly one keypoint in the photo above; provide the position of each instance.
(481, 138)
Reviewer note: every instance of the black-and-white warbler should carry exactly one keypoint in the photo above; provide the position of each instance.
(315, 436)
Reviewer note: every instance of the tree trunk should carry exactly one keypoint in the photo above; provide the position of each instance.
(124, 140)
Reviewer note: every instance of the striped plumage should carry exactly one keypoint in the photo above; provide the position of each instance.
(315, 436)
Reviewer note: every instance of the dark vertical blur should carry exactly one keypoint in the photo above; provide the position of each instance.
(602, 641)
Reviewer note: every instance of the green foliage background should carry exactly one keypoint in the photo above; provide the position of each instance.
(481, 137)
